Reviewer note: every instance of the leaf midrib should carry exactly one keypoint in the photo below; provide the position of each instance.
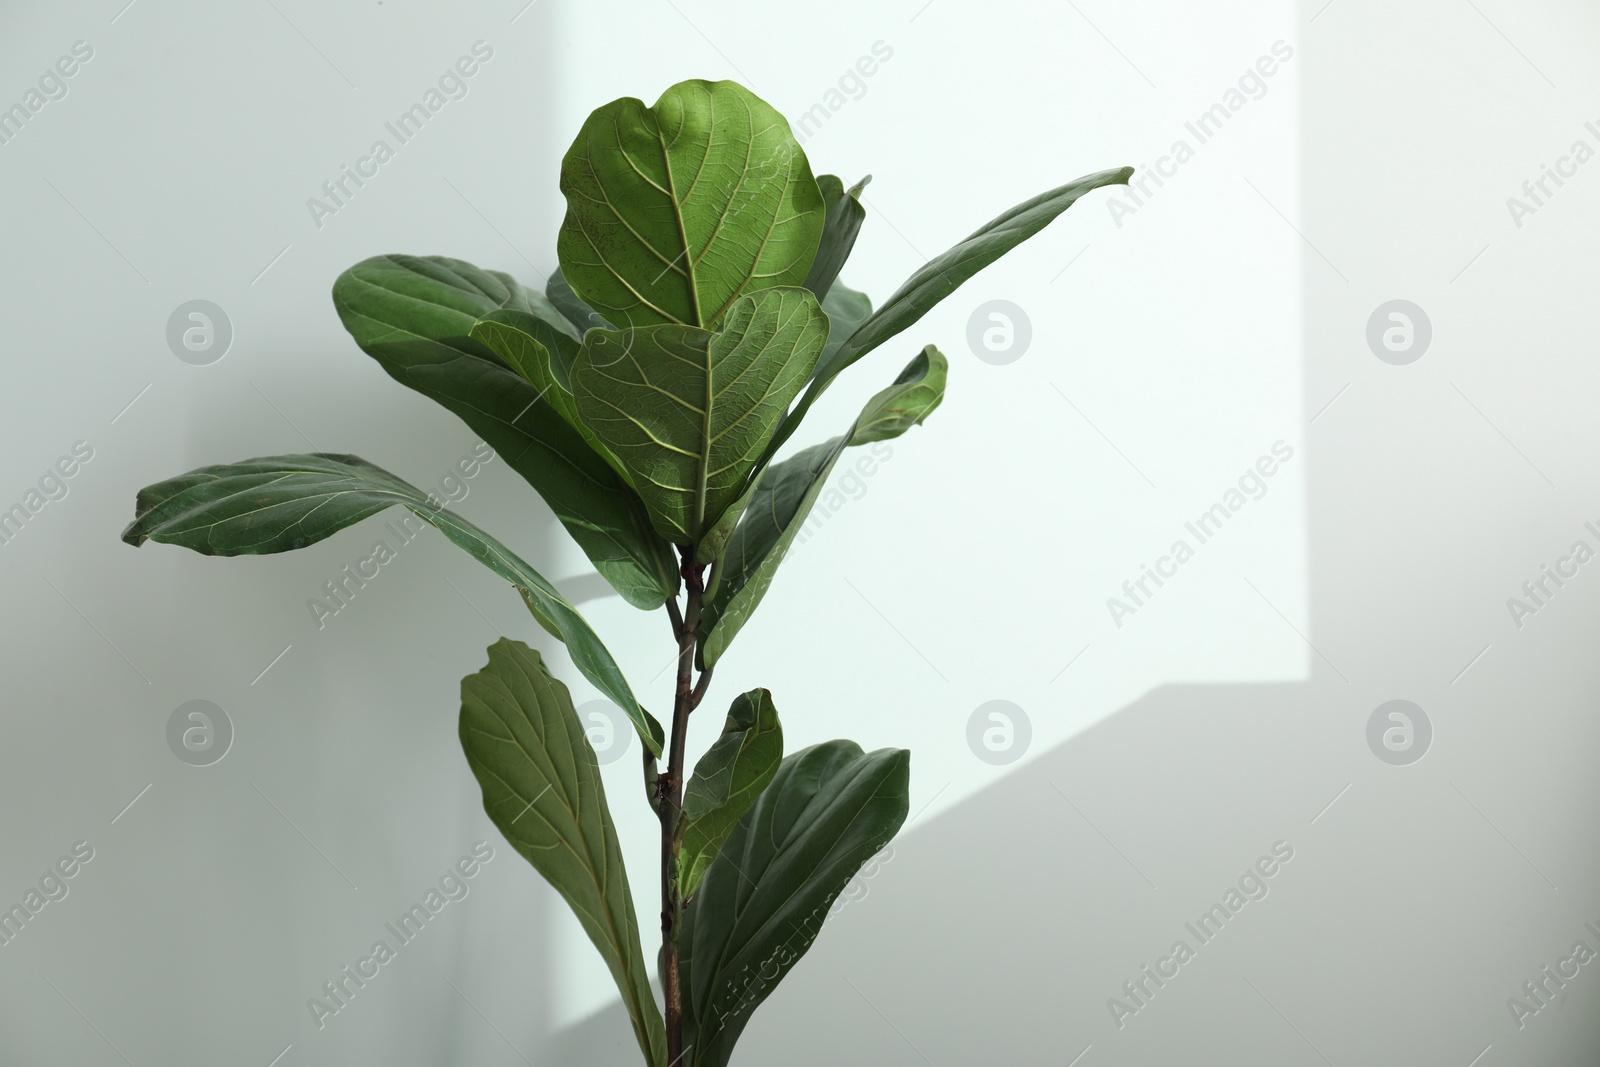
(779, 849)
(598, 871)
(703, 462)
(677, 217)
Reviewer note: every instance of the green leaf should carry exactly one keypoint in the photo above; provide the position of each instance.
(535, 349)
(281, 503)
(940, 277)
(542, 788)
(907, 402)
(714, 542)
(726, 782)
(688, 411)
(784, 496)
(543, 356)
(827, 811)
(583, 317)
(843, 221)
(675, 211)
(414, 315)
(847, 310)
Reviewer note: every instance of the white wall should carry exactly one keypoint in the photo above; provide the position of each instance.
(1172, 346)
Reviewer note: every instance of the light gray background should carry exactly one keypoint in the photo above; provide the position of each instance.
(1169, 352)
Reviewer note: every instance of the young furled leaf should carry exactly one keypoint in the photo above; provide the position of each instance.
(843, 221)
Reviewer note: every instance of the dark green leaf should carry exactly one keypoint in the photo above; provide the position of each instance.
(844, 217)
(281, 503)
(940, 277)
(726, 782)
(847, 310)
(786, 492)
(583, 317)
(543, 356)
(687, 411)
(542, 788)
(675, 211)
(414, 315)
(765, 897)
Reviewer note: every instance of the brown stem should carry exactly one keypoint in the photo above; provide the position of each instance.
(669, 795)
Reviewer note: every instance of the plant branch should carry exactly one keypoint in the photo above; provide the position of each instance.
(669, 793)
(700, 688)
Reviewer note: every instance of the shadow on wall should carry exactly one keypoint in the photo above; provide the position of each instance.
(999, 929)
(1034, 921)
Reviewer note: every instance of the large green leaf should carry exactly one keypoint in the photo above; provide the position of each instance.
(726, 782)
(675, 211)
(542, 788)
(843, 221)
(414, 315)
(827, 811)
(940, 277)
(687, 411)
(784, 496)
(281, 503)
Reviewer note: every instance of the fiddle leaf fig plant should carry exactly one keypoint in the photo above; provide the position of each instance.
(696, 316)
